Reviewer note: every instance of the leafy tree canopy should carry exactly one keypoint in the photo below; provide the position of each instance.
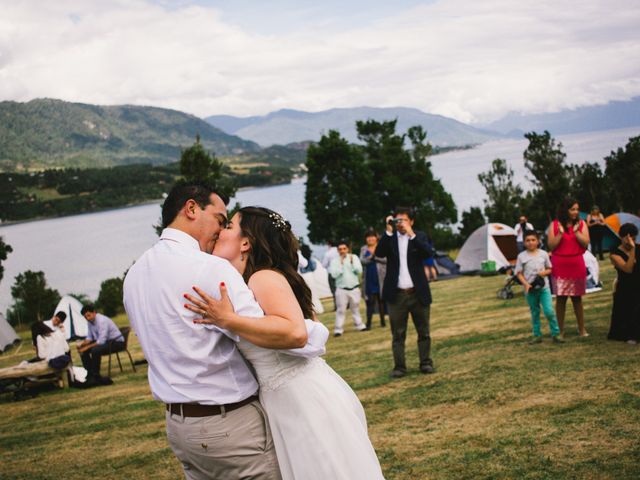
(197, 165)
(549, 175)
(5, 250)
(338, 199)
(472, 219)
(402, 176)
(590, 187)
(110, 297)
(352, 187)
(33, 299)
(623, 173)
(505, 200)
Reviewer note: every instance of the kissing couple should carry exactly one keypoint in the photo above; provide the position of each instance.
(238, 367)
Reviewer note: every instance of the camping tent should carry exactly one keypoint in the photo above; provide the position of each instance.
(614, 222)
(318, 282)
(75, 325)
(493, 241)
(8, 335)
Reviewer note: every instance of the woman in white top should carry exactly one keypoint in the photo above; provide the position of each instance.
(49, 343)
(318, 424)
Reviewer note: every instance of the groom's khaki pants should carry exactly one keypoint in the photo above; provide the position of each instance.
(233, 445)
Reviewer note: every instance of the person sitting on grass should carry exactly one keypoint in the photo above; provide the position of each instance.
(532, 269)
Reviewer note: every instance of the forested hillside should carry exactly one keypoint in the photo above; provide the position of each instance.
(46, 133)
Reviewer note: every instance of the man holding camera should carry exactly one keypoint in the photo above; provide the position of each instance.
(406, 289)
(522, 226)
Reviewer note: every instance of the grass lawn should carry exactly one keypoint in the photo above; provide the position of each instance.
(496, 408)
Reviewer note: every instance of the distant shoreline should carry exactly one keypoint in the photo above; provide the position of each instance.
(100, 210)
(130, 205)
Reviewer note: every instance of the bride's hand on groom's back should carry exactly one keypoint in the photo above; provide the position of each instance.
(212, 311)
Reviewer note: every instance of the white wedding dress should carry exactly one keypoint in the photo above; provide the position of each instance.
(318, 424)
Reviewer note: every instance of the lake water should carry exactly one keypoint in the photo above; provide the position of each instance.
(77, 253)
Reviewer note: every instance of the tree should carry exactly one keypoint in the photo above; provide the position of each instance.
(472, 219)
(623, 173)
(5, 250)
(196, 165)
(590, 187)
(110, 297)
(505, 199)
(403, 177)
(338, 199)
(550, 176)
(33, 299)
(352, 187)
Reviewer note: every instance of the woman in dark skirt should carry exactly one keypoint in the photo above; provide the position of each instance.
(625, 315)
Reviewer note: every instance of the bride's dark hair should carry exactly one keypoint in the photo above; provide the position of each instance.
(274, 247)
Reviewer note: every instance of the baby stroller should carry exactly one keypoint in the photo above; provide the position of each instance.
(506, 292)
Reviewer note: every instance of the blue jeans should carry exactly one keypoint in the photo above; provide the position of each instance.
(535, 298)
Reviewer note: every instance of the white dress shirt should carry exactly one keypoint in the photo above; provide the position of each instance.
(187, 362)
(404, 278)
(520, 232)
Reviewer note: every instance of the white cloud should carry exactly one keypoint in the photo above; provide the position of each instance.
(470, 60)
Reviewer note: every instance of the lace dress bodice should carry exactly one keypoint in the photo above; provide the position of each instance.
(274, 368)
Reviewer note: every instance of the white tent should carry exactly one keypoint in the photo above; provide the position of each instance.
(75, 325)
(493, 241)
(8, 335)
(318, 282)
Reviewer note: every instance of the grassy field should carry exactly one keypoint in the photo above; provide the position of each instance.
(497, 408)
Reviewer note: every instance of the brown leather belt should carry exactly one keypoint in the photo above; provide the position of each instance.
(408, 291)
(198, 410)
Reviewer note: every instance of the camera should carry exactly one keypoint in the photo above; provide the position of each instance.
(537, 283)
(394, 221)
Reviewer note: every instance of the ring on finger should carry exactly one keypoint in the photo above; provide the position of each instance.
(204, 314)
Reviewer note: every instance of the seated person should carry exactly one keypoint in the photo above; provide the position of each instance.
(51, 345)
(57, 322)
(102, 333)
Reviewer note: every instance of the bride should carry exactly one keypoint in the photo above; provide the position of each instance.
(318, 424)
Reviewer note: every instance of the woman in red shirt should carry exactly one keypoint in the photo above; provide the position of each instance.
(568, 240)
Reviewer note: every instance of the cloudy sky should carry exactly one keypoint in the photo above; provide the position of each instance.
(467, 59)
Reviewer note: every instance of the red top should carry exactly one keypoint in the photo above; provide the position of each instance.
(569, 244)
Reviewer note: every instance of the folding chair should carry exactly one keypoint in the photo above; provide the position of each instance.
(121, 347)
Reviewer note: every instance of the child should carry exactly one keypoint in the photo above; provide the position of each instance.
(532, 268)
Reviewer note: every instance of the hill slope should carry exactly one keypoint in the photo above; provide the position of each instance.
(611, 116)
(54, 133)
(287, 126)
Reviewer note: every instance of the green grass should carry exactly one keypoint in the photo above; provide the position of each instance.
(497, 408)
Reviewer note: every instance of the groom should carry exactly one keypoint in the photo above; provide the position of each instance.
(215, 423)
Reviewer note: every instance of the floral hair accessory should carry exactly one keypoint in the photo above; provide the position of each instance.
(279, 222)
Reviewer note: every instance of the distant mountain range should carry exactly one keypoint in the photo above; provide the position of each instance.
(611, 116)
(287, 126)
(54, 133)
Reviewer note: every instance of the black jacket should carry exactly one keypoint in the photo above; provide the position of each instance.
(417, 250)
